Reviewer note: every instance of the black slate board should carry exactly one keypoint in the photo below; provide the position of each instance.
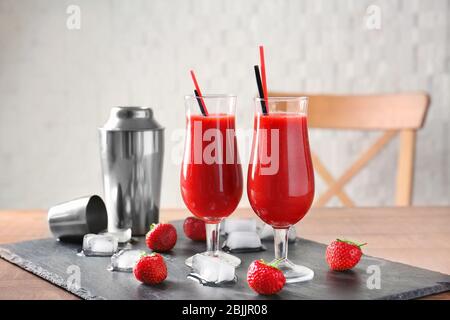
(50, 259)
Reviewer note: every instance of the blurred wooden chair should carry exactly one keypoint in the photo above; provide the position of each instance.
(401, 114)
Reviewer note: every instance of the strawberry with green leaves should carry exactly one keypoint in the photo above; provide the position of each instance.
(150, 269)
(343, 254)
(162, 237)
(265, 278)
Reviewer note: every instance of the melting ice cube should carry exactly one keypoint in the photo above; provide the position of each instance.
(99, 245)
(243, 239)
(125, 260)
(122, 236)
(212, 269)
(231, 225)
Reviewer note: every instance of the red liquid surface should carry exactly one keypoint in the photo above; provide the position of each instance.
(211, 186)
(283, 198)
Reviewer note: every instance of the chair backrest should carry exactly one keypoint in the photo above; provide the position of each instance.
(394, 114)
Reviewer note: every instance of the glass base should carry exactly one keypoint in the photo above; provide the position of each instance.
(234, 261)
(295, 273)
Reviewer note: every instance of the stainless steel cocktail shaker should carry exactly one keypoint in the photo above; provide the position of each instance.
(132, 149)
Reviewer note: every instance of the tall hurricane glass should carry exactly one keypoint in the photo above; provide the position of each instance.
(211, 174)
(280, 182)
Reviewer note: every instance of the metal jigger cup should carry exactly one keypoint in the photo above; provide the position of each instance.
(70, 221)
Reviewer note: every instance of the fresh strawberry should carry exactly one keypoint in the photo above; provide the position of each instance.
(265, 278)
(161, 237)
(343, 254)
(150, 269)
(195, 229)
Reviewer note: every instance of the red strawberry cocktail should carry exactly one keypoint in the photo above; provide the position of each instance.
(211, 177)
(280, 181)
(211, 173)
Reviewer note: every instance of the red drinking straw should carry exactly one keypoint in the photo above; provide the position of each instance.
(200, 96)
(263, 74)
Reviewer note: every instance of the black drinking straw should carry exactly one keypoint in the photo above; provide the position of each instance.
(260, 89)
(200, 104)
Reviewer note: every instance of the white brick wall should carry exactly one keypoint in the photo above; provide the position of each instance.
(56, 85)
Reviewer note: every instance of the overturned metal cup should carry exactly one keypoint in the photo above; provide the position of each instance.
(70, 221)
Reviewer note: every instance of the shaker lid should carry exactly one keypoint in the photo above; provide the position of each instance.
(131, 119)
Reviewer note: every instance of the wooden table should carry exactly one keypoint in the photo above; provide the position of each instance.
(418, 236)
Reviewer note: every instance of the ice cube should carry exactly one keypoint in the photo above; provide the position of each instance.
(243, 239)
(266, 233)
(231, 225)
(125, 260)
(99, 245)
(212, 269)
(122, 236)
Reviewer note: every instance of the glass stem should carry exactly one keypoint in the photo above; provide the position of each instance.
(212, 238)
(280, 238)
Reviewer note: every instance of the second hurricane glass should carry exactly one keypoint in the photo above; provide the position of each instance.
(211, 174)
(280, 182)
